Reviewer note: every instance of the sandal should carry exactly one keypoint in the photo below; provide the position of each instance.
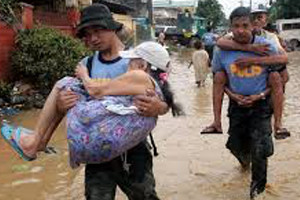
(281, 134)
(12, 136)
(211, 130)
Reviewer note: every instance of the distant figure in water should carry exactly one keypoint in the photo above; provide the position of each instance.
(161, 38)
(200, 60)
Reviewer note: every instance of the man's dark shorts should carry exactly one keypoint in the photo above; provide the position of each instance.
(138, 184)
(279, 68)
(250, 129)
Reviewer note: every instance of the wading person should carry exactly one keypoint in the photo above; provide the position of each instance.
(249, 112)
(277, 77)
(200, 61)
(133, 171)
(209, 40)
(161, 38)
(103, 104)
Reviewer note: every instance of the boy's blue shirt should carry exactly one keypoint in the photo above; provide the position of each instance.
(105, 70)
(245, 81)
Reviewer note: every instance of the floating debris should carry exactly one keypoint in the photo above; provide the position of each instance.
(20, 168)
(9, 111)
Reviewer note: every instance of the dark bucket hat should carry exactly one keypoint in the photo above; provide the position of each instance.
(97, 15)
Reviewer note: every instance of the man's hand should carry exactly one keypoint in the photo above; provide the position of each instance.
(245, 101)
(66, 99)
(259, 49)
(150, 104)
(240, 99)
(250, 100)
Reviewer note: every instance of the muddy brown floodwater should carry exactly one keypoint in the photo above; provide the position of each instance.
(189, 166)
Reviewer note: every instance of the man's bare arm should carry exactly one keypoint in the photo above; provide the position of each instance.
(280, 59)
(230, 45)
(269, 61)
(219, 82)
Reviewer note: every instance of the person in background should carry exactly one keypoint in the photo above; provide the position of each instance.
(209, 40)
(161, 38)
(200, 61)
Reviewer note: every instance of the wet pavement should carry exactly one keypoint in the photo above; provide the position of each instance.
(189, 166)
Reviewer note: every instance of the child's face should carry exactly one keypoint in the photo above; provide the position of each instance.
(137, 64)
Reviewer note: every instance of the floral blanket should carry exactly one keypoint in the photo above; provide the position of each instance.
(96, 134)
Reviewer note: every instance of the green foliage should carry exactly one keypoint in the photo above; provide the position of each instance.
(6, 5)
(5, 89)
(212, 10)
(6, 11)
(44, 55)
(285, 9)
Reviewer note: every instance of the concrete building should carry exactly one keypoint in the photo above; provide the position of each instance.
(190, 5)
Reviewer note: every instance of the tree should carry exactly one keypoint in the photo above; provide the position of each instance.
(285, 9)
(7, 13)
(212, 10)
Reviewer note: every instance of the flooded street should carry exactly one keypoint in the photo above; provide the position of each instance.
(189, 166)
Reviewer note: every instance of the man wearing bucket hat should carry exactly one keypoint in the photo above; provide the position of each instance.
(98, 29)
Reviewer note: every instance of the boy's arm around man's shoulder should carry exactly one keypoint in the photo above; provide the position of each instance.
(274, 57)
(227, 43)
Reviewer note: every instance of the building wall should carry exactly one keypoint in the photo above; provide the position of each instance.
(166, 12)
(140, 7)
(84, 2)
(7, 39)
(126, 20)
(60, 21)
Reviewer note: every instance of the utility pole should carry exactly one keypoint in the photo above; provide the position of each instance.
(250, 4)
(241, 2)
(150, 11)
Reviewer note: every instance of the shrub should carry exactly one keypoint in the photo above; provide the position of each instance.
(5, 90)
(44, 55)
(7, 13)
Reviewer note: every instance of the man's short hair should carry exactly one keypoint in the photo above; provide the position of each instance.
(239, 12)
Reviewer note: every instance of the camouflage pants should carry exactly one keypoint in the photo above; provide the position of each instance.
(250, 139)
(138, 183)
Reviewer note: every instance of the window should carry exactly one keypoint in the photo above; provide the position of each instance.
(286, 27)
(296, 26)
(291, 26)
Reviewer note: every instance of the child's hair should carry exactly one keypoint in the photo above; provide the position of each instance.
(198, 45)
(166, 90)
